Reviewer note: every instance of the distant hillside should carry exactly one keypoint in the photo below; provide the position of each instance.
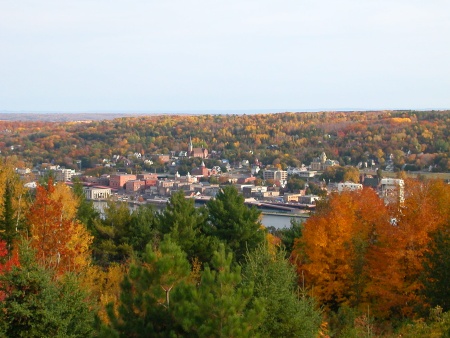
(62, 117)
(393, 140)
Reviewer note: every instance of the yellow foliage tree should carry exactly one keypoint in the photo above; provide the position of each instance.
(59, 239)
(104, 285)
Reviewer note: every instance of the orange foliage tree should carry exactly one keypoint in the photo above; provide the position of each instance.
(335, 246)
(59, 239)
(397, 262)
(357, 251)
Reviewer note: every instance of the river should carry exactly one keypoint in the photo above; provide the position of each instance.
(268, 220)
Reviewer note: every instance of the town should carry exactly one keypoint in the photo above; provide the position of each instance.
(263, 186)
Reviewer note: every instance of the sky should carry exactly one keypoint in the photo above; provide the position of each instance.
(186, 55)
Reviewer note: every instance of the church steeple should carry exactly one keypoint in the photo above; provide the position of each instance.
(190, 147)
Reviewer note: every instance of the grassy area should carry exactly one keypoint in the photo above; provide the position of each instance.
(412, 174)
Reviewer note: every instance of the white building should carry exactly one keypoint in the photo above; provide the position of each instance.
(321, 163)
(97, 193)
(392, 188)
(349, 186)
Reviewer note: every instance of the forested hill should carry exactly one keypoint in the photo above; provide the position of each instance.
(418, 138)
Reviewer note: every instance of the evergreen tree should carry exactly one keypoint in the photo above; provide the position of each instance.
(220, 306)
(37, 305)
(186, 225)
(234, 223)
(112, 235)
(288, 235)
(143, 228)
(287, 314)
(145, 308)
(436, 275)
(8, 231)
(86, 213)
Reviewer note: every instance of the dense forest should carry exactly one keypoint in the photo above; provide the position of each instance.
(357, 267)
(413, 140)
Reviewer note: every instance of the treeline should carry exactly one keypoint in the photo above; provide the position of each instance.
(358, 267)
(415, 139)
(374, 266)
(183, 272)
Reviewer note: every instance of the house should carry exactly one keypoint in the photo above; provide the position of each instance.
(255, 169)
(246, 180)
(289, 197)
(369, 181)
(162, 158)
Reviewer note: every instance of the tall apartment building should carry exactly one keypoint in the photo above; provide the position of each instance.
(64, 175)
(275, 174)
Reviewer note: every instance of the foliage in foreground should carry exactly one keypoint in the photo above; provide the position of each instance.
(36, 304)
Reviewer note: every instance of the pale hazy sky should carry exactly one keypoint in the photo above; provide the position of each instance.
(169, 55)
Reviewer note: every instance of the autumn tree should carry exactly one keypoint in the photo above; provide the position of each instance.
(103, 284)
(7, 261)
(356, 250)
(398, 260)
(13, 203)
(59, 239)
(335, 247)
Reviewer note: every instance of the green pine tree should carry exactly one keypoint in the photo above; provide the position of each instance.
(287, 314)
(186, 225)
(86, 213)
(112, 235)
(35, 304)
(219, 306)
(143, 229)
(232, 222)
(145, 308)
(436, 275)
(8, 231)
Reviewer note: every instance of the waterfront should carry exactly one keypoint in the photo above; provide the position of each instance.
(268, 220)
(278, 221)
